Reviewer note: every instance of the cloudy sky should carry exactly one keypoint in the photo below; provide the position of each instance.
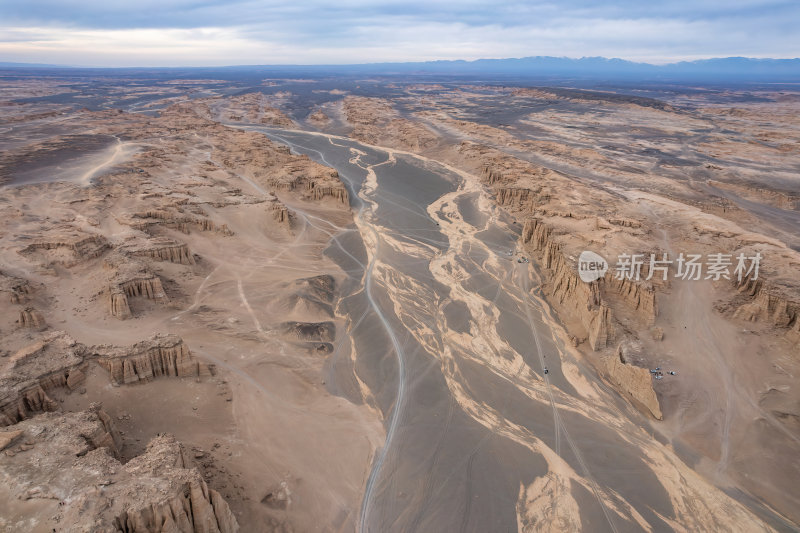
(239, 32)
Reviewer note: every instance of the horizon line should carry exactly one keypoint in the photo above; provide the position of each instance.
(22, 64)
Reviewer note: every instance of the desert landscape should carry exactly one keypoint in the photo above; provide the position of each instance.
(355, 304)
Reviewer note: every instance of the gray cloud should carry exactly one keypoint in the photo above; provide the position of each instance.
(163, 32)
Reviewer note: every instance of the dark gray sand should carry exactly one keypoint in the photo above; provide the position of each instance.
(464, 435)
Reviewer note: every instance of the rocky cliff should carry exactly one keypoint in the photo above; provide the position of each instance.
(160, 249)
(146, 285)
(581, 300)
(56, 361)
(163, 355)
(190, 505)
(633, 382)
(313, 187)
(76, 247)
(762, 302)
(280, 213)
(29, 376)
(67, 461)
(589, 304)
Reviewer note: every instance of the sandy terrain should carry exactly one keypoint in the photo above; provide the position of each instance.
(172, 230)
(327, 312)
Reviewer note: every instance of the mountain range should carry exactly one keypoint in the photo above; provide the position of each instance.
(739, 69)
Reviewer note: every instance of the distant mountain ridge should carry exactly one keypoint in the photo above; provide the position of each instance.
(12, 64)
(743, 69)
(738, 68)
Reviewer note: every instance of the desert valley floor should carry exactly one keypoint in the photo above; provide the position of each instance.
(333, 304)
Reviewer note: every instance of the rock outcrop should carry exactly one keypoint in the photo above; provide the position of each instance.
(118, 303)
(181, 222)
(254, 108)
(527, 189)
(765, 304)
(313, 187)
(30, 375)
(375, 121)
(281, 214)
(582, 300)
(588, 302)
(31, 318)
(16, 290)
(71, 458)
(253, 155)
(145, 284)
(633, 382)
(56, 361)
(190, 505)
(163, 355)
(522, 198)
(76, 247)
(160, 249)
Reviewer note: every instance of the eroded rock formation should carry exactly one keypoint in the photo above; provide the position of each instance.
(56, 361)
(148, 286)
(27, 377)
(181, 222)
(163, 355)
(252, 154)
(634, 382)
(77, 246)
(190, 505)
(160, 249)
(375, 121)
(281, 214)
(31, 318)
(764, 303)
(16, 290)
(319, 117)
(71, 458)
(131, 279)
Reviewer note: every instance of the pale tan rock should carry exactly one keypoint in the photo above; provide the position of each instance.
(17, 290)
(7, 438)
(75, 378)
(281, 214)
(163, 355)
(375, 121)
(767, 304)
(75, 462)
(31, 318)
(131, 283)
(160, 249)
(77, 246)
(633, 382)
(56, 361)
(35, 371)
(657, 333)
(143, 220)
